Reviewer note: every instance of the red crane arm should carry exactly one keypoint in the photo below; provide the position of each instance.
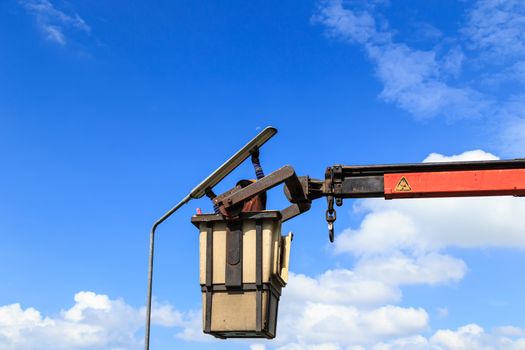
(455, 184)
(427, 180)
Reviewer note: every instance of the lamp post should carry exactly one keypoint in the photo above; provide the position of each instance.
(150, 264)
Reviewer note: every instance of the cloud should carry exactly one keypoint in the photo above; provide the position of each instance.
(467, 337)
(54, 33)
(415, 80)
(341, 286)
(495, 34)
(472, 336)
(398, 269)
(52, 21)
(442, 312)
(431, 224)
(512, 115)
(192, 328)
(325, 346)
(467, 156)
(354, 26)
(257, 347)
(353, 308)
(320, 324)
(95, 321)
(460, 76)
(497, 29)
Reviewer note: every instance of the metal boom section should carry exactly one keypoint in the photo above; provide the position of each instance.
(391, 181)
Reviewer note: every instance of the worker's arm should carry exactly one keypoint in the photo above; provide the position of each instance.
(211, 195)
(257, 164)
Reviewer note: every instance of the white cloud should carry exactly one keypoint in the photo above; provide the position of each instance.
(452, 62)
(433, 224)
(497, 29)
(341, 287)
(442, 312)
(53, 21)
(257, 347)
(416, 342)
(495, 34)
(472, 336)
(192, 328)
(510, 331)
(430, 82)
(326, 346)
(465, 157)
(324, 323)
(398, 269)
(85, 301)
(415, 80)
(468, 337)
(512, 115)
(344, 309)
(95, 322)
(358, 27)
(54, 33)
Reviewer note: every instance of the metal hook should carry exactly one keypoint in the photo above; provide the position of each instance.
(331, 216)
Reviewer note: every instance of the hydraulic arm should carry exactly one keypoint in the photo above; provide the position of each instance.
(392, 181)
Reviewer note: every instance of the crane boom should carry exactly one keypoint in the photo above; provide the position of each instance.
(391, 181)
(427, 180)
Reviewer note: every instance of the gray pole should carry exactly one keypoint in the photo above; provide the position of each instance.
(150, 272)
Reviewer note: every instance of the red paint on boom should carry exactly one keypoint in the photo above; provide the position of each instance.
(455, 184)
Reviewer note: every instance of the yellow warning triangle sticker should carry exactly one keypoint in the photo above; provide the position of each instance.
(403, 186)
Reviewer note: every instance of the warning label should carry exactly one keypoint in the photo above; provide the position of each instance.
(403, 186)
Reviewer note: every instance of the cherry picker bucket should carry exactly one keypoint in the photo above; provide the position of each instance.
(243, 268)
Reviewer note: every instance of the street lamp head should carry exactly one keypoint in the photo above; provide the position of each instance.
(232, 163)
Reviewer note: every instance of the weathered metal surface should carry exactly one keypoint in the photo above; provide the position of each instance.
(366, 170)
(240, 304)
(234, 238)
(296, 190)
(294, 210)
(361, 187)
(238, 195)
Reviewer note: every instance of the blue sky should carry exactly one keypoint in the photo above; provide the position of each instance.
(112, 111)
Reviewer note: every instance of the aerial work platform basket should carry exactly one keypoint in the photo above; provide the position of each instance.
(243, 268)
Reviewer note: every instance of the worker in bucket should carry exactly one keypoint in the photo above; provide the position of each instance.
(256, 203)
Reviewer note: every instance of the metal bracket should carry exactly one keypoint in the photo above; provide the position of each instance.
(296, 190)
